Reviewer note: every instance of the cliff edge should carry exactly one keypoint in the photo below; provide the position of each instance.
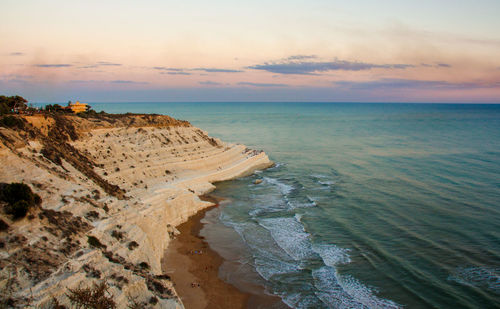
(113, 188)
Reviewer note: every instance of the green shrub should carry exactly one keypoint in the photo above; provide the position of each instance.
(19, 198)
(117, 234)
(132, 245)
(16, 191)
(10, 121)
(55, 108)
(18, 210)
(94, 242)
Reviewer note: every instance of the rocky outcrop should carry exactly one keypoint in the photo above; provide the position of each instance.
(122, 183)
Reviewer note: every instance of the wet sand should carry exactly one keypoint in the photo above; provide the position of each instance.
(194, 269)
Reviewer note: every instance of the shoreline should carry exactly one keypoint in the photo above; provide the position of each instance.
(193, 267)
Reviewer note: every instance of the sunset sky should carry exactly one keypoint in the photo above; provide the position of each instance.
(221, 50)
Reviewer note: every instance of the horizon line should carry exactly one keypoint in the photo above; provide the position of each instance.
(288, 102)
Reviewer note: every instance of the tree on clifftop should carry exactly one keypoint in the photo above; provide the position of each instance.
(8, 104)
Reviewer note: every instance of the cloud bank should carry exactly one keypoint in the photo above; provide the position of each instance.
(261, 84)
(301, 65)
(207, 70)
(396, 83)
(58, 65)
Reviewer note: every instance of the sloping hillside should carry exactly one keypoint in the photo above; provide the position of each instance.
(113, 188)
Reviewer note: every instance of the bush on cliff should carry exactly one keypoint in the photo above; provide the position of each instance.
(4, 109)
(51, 154)
(94, 242)
(97, 296)
(10, 121)
(18, 210)
(55, 108)
(19, 199)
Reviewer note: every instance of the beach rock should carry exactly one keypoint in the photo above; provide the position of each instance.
(257, 181)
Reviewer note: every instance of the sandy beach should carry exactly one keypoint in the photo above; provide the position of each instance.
(193, 266)
(194, 269)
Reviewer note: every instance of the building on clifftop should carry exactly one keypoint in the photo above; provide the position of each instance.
(78, 107)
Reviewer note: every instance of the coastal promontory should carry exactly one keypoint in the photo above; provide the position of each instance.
(105, 194)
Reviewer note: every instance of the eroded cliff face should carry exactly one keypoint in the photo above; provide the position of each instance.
(113, 188)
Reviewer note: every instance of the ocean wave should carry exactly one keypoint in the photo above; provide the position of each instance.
(301, 300)
(295, 203)
(281, 247)
(289, 234)
(273, 204)
(323, 180)
(276, 166)
(338, 291)
(327, 182)
(331, 254)
(312, 200)
(284, 199)
(259, 240)
(488, 277)
(364, 294)
(329, 291)
(284, 188)
(268, 267)
(320, 176)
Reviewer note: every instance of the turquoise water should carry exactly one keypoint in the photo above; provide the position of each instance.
(369, 205)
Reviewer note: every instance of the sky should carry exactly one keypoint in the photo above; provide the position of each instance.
(221, 50)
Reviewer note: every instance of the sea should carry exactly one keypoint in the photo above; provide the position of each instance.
(369, 205)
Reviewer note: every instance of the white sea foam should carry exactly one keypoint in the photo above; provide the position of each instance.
(363, 294)
(331, 254)
(272, 204)
(320, 176)
(296, 205)
(260, 241)
(327, 182)
(488, 277)
(280, 246)
(330, 291)
(276, 166)
(268, 267)
(312, 201)
(324, 180)
(256, 212)
(284, 188)
(338, 291)
(269, 258)
(289, 234)
(300, 300)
